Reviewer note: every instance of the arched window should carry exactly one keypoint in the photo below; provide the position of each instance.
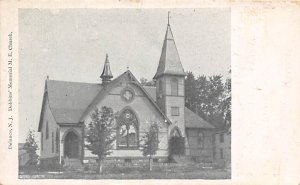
(154, 130)
(200, 139)
(174, 87)
(42, 141)
(57, 141)
(52, 135)
(47, 130)
(177, 142)
(175, 132)
(127, 132)
(71, 144)
(160, 87)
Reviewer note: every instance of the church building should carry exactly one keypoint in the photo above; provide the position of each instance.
(67, 106)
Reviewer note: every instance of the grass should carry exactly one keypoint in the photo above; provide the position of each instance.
(136, 172)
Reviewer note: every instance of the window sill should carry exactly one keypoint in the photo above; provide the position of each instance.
(127, 148)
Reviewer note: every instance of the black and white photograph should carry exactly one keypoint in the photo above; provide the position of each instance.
(124, 93)
(143, 92)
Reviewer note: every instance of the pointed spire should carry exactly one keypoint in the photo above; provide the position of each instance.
(168, 18)
(169, 62)
(106, 75)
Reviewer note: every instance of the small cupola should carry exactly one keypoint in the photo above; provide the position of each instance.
(106, 75)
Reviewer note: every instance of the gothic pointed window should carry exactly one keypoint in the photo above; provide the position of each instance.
(57, 141)
(160, 87)
(127, 133)
(47, 130)
(200, 139)
(175, 132)
(174, 87)
(154, 129)
(52, 137)
(42, 143)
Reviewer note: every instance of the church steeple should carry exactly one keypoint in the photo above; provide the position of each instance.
(106, 75)
(169, 62)
(170, 83)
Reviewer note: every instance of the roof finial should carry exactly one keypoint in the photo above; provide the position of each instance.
(168, 17)
(127, 67)
(47, 77)
(106, 75)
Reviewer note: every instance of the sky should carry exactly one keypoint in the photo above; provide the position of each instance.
(71, 44)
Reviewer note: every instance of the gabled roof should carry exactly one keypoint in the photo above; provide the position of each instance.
(192, 120)
(68, 100)
(129, 77)
(102, 93)
(169, 62)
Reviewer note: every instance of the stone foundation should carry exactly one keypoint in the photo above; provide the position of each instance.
(91, 163)
(50, 163)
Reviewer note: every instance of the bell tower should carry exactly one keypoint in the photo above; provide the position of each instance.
(170, 84)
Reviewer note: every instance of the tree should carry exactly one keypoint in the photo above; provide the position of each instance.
(190, 91)
(204, 96)
(145, 82)
(201, 100)
(100, 134)
(225, 106)
(150, 143)
(31, 147)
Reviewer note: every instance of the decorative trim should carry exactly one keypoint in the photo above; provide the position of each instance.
(128, 94)
(68, 131)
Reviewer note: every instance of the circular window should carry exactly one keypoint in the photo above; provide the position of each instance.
(127, 94)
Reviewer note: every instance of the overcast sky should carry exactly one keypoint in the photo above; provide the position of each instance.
(71, 44)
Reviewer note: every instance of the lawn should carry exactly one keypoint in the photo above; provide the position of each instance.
(135, 172)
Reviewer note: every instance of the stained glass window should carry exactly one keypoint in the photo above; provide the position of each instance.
(127, 130)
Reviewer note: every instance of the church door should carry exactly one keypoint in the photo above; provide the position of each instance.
(71, 145)
(177, 142)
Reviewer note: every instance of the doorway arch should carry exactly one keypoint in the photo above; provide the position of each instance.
(71, 145)
(175, 132)
(176, 142)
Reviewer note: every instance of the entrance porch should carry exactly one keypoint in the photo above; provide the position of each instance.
(71, 146)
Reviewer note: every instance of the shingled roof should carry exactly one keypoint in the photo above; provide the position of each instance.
(70, 101)
(151, 91)
(192, 120)
(169, 62)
